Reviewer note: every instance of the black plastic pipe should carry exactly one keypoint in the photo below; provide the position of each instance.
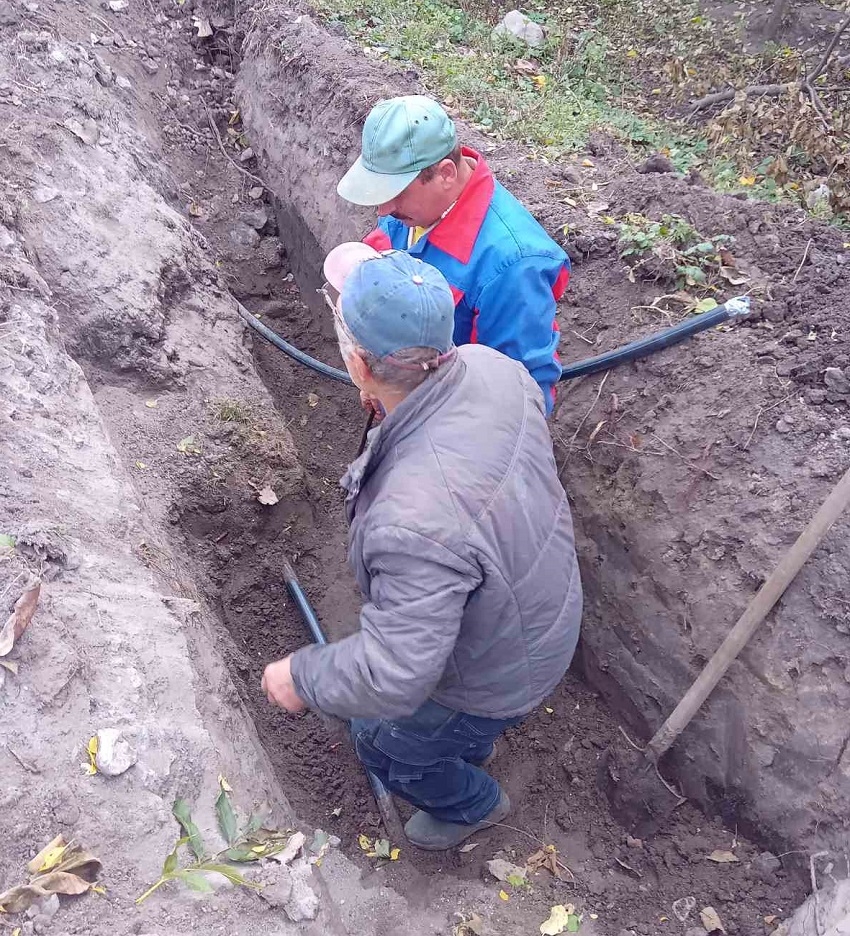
(383, 797)
(734, 308)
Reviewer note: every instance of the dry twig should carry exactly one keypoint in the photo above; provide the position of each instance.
(805, 255)
(227, 155)
(805, 84)
(687, 461)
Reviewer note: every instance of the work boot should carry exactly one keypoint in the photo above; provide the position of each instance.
(424, 831)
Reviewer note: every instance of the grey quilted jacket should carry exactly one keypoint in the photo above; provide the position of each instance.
(462, 544)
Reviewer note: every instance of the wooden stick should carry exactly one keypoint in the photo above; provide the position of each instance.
(756, 612)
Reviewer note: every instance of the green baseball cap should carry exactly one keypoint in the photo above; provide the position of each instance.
(401, 137)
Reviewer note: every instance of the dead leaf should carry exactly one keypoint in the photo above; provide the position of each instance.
(733, 276)
(20, 617)
(546, 857)
(525, 67)
(587, 163)
(202, 24)
(10, 665)
(771, 919)
(59, 868)
(562, 919)
(267, 496)
(474, 926)
(723, 857)
(189, 446)
(747, 180)
(312, 399)
(503, 895)
(711, 921)
(470, 846)
(195, 210)
(293, 846)
(151, 404)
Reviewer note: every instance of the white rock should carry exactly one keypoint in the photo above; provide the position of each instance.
(303, 904)
(115, 752)
(519, 26)
(502, 870)
(44, 193)
(124, 83)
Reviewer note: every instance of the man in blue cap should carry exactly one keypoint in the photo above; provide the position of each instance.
(439, 200)
(462, 544)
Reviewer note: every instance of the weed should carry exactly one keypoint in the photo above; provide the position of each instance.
(672, 249)
(233, 411)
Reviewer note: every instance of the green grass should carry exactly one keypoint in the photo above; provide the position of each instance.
(593, 73)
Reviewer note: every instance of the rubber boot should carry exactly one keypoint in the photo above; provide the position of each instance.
(430, 834)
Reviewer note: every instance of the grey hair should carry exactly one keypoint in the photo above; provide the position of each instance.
(403, 379)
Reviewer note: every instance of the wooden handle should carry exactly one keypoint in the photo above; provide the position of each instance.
(756, 612)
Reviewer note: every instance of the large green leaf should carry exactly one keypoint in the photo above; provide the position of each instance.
(183, 815)
(226, 817)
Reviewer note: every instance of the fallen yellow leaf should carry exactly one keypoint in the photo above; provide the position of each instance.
(364, 842)
(632, 53)
(141, 466)
(747, 180)
(394, 853)
(540, 81)
(503, 895)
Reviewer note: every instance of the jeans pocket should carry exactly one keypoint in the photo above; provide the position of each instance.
(411, 756)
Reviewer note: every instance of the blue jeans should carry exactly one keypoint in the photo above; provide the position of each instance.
(430, 759)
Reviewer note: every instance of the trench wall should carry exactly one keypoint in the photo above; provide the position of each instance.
(670, 554)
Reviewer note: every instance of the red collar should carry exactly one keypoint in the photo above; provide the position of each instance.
(457, 232)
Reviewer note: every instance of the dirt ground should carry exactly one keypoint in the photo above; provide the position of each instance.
(139, 294)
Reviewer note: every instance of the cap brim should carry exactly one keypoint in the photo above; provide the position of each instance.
(343, 259)
(361, 186)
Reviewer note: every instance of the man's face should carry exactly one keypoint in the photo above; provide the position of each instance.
(422, 203)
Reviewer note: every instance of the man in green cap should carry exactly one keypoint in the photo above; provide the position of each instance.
(439, 201)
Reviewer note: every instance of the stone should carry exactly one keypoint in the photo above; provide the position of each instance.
(9, 16)
(256, 192)
(46, 909)
(246, 155)
(258, 218)
(278, 894)
(502, 870)
(519, 26)
(303, 904)
(124, 83)
(117, 5)
(843, 432)
(44, 193)
(684, 907)
(836, 380)
(116, 752)
(150, 66)
(243, 235)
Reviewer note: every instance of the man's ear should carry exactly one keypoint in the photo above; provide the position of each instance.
(447, 172)
(360, 371)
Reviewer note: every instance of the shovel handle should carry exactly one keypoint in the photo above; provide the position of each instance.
(756, 612)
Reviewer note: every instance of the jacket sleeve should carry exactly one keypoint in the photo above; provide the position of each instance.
(408, 629)
(516, 315)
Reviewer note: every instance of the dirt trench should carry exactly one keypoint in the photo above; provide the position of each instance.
(131, 315)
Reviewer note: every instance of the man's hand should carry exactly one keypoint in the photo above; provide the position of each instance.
(372, 403)
(278, 686)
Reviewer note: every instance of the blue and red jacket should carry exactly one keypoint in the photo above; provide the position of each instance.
(505, 272)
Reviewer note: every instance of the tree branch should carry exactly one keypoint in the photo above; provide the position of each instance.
(773, 90)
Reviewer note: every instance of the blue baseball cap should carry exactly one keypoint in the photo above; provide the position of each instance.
(401, 137)
(396, 301)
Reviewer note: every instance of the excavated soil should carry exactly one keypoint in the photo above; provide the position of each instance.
(719, 419)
